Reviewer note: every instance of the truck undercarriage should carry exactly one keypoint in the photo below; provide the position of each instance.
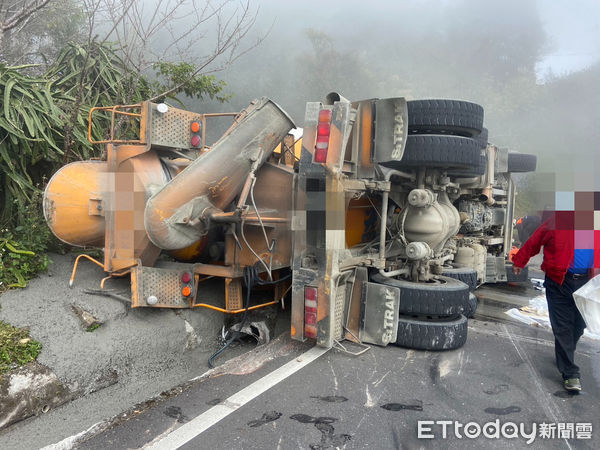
(380, 220)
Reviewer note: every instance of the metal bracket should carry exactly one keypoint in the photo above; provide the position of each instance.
(339, 346)
(364, 185)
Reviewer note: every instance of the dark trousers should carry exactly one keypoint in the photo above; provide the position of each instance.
(567, 323)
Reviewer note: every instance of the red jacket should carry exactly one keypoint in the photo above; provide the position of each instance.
(559, 248)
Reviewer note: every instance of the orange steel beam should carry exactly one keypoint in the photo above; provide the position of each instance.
(204, 116)
(114, 275)
(233, 311)
(115, 110)
(83, 255)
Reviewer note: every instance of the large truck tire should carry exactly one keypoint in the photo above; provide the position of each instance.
(424, 150)
(445, 117)
(521, 162)
(421, 333)
(472, 309)
(473, 171)
(482, 138)
(465, 274)
(443, 297)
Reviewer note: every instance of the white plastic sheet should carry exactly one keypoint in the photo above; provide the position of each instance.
(536, 314)
(587, 299)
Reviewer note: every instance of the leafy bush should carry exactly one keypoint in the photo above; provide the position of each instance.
(30, 123)
(23, 248)
(16, 347)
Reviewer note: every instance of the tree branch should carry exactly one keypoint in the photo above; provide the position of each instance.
(27, 10)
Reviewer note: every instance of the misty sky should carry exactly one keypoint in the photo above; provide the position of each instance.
(410, 31)
(498, 53)
(574, 27)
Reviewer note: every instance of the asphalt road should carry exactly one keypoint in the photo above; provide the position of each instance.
(505, 372)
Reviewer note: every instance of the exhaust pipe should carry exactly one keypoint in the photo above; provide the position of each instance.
(487, 195)
(178, 214)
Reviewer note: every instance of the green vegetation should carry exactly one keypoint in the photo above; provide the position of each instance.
(16, 347)
(93, 327)
(23, 248)
(30, 125)
(184, 78)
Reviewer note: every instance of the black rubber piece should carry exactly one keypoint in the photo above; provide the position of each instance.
(439, 151)
(421, 333)
(444, 297)
(521, 162)
(445, 117)
(465, 274)
(470, 312)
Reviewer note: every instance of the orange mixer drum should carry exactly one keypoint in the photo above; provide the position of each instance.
(193, 253)
(73, 203)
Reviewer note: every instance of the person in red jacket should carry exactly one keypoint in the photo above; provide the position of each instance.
(568, 261)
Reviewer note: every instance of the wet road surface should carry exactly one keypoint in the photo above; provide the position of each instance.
(504, 372)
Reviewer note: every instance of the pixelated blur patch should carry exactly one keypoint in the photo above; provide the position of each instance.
(584, 239)
(584, 201)
(597, 249)
(584, 220)
(565, 220)
(564, 200)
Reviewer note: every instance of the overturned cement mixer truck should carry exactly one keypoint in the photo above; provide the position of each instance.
(380, 220)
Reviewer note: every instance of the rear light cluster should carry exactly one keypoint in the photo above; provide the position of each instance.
(196, 139)
(186, 280)
(310, 312)
(323, 132)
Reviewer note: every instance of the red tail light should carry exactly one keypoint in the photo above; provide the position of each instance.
(186, 279)
(310, 312)
(325, 115)
(323, 132)
(196, 137)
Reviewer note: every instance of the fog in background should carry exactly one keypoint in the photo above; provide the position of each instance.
(533, 65)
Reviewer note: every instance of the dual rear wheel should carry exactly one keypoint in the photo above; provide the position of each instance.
(432, 314)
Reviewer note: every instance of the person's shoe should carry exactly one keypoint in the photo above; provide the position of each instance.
(572, 384)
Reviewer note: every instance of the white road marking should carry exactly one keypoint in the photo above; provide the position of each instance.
(335, 380)
(445, 367)
(369, 403)
(204, 421)
(382, 378)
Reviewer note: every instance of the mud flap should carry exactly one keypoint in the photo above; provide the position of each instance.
(379, 314)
